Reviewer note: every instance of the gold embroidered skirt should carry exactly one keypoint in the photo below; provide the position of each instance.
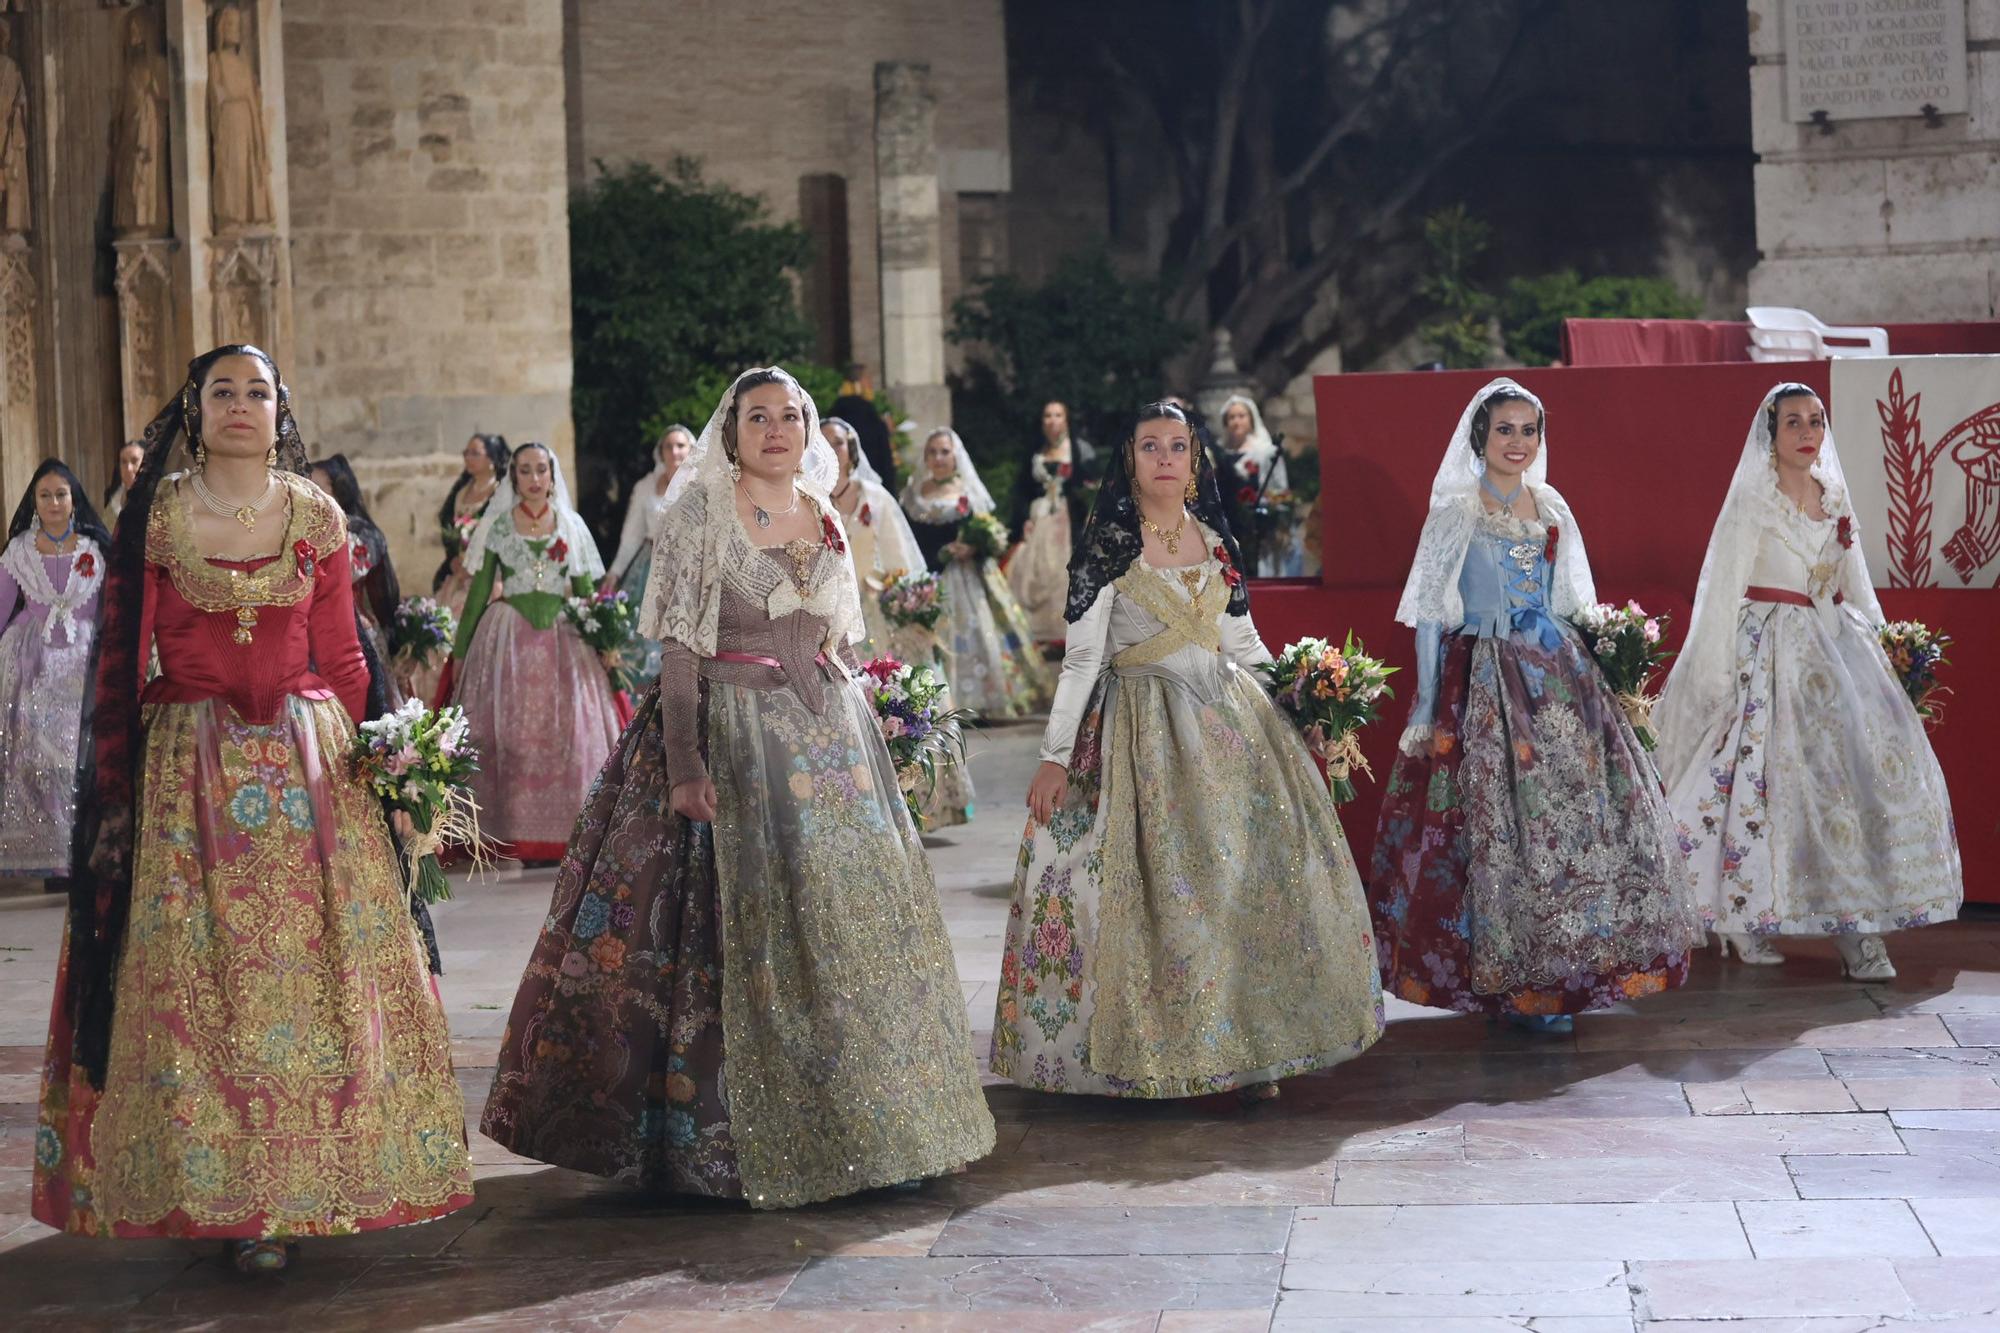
(1190, 921)
(280, 1064)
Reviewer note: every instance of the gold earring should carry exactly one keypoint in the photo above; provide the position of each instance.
(271, 456)
(200, 454)
(1193, 491)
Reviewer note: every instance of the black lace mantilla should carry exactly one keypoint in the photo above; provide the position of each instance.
(1112, 540)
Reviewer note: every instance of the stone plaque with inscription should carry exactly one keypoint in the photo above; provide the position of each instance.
(1858, 59)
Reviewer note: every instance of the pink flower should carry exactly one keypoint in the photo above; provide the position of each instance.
(1652, 631)
(882, 668)
(892, 728)
(1052, 938)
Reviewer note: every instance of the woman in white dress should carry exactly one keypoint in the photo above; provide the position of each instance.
(640, 658)
(881, 545)
(1050, 503)
(1255, 476)
(1808, 798)
(995, 669)
(1187, 918)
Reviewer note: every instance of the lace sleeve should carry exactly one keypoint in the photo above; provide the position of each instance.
(1083, 659)
(1431, 591)
(683, 591)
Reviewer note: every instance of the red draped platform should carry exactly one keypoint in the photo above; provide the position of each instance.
(1680, 342)
(1644, 456)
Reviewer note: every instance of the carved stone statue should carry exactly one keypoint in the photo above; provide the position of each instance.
(14, 215)
(239, 154)
(139, 202)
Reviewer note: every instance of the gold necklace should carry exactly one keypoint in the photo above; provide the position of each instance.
(1171, 540)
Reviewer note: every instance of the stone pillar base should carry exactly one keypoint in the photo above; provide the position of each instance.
(20, 420)
(146, 323)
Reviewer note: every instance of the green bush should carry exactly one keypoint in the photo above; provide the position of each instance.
(1089, 335)
(1532, 311)
(673, 280)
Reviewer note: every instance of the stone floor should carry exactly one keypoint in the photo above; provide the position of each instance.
(1771, 1149)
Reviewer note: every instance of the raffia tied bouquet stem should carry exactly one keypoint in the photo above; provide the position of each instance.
(606, 622)
(1331, 693)
(913, 599)
(1626, 641)
(424, 627)
(1915, 652)
(920, 727)
(986, 535)
(421, 761)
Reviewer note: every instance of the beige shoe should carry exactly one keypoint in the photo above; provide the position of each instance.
(1864, 958)
(1752, 949)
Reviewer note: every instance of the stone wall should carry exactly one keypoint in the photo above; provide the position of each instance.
(430, 232)
(1884, 219)
(765, 101)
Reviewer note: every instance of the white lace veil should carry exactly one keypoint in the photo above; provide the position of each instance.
(976, 493)
(1431, 591)
(896, 546)
(583, 560)
(1700, 691)
(1258, 444)
(699, 526)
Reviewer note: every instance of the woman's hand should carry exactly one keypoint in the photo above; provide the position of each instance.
(694, 800)
(957, 551)
(608, 660)
(1047, 791)
(606, 584)
(406, 827)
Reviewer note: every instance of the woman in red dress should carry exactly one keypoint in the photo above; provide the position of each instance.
(244, 1043)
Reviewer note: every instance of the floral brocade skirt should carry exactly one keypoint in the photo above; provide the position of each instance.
(1190, 920)
(950, 800)
(763, 1008)
(1527, 863)
(996, 670)
(540, 709)
(279, 1064)
(1819, 808)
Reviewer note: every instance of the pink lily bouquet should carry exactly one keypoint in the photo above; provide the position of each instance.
(1626, 641)
(918, 724)
(1331, 693)
(421, 761)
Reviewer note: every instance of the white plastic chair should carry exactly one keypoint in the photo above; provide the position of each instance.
(1788, 334)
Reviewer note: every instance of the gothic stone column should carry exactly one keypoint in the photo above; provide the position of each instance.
(907, 233)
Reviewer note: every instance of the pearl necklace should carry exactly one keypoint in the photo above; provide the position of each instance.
(246, 514)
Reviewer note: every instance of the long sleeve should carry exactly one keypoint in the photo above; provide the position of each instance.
(1024, 496)
(1243, 645)
(680, 715)
(10, 596)
(476, 599)
(632, 538)
(336, 649)
(1083, 660)
(1430, 655)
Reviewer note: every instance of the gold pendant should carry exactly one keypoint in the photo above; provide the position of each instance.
(247, 517)
(246, 618)
(1191, 580)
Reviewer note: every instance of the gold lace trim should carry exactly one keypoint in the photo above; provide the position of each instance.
(1189, 624)
(315, 519)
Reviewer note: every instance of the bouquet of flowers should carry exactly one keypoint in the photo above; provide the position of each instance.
(1626, 643)
(420, 762)
(1915, 652)
(1331, 693)
(986, 535)
(606, 621)
(919, 726)
(423, 628)
(913, 599)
